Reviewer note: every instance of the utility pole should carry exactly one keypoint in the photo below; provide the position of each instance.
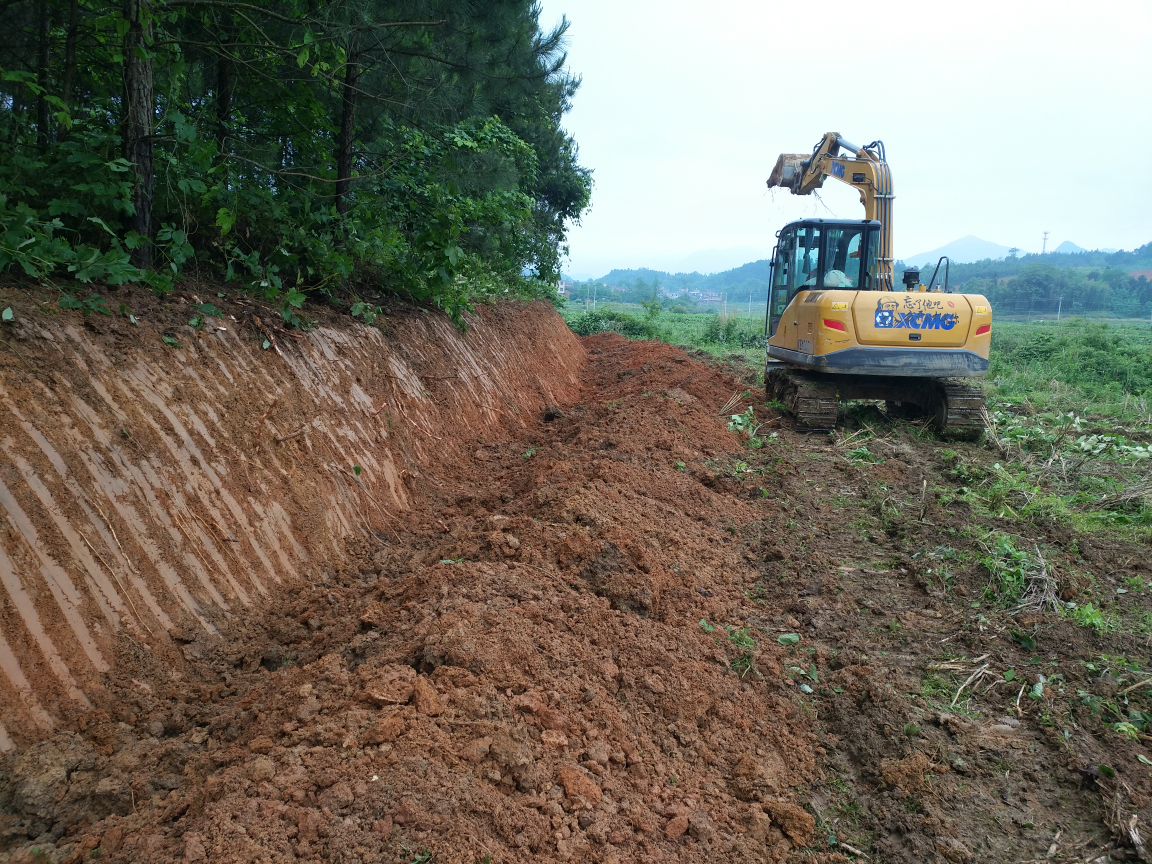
(1044, 248)
(1059, 309)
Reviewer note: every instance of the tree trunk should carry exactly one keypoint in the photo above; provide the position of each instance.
(347, 126)
(70, 53)
(138, 113)
(44, 24)
(225, 90)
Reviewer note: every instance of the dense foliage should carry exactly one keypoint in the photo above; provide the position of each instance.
(1043, 286)
(308, 146)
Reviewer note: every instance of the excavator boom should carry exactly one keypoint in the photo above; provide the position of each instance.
(866, 170)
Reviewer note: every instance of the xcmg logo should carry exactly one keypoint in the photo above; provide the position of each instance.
(889, 318)
(837, 170)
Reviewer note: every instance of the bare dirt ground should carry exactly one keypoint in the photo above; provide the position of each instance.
(626, 636)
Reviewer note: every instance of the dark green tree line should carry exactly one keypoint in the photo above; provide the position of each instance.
(412, 146)
(1040, 285)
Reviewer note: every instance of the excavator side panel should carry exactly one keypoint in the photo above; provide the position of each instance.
(913, 318)
(914, 334)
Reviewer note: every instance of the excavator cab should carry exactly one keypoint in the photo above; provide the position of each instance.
(821, 253)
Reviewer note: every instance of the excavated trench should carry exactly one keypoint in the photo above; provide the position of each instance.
(401, 593)
(370, 592)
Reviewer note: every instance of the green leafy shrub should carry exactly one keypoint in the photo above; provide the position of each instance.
(1093, 617)
(733, 332)
(1007, 568)
(608, 320)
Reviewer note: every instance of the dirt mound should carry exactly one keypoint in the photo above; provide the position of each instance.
(521, 672)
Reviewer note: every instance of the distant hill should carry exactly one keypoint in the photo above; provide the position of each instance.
(751, 280)
(1070, 248)
(755, 270)
(747, 283)
(714, 261)
(962, 251)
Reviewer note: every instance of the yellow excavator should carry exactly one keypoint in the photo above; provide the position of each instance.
(838, 328)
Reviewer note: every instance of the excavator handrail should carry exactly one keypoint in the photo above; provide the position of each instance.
(947, 267)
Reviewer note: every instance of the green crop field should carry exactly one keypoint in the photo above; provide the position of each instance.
(720, 335)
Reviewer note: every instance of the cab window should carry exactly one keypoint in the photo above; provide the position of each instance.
(846, 250)
(808, 258)
(796, 268)
(783, 275)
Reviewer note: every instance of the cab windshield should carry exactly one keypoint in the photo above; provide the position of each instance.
(850, 261)
(820, 257)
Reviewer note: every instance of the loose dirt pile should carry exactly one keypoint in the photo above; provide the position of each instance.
(621, 636)
(518, 672)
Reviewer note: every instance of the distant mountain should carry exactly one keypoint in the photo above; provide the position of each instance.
(708, 261)
(962, 251)
(756, 270)
(1070, 248)
(629, 277)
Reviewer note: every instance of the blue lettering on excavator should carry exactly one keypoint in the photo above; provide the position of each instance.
(837, 170)
(887, 319)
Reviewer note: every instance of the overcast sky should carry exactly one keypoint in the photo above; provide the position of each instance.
(1001, 119)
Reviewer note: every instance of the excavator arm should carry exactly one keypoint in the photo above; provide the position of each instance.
(866, 169)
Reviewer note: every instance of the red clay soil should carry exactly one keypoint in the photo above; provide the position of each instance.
(623, 636)
(152, 488)
(519, 673)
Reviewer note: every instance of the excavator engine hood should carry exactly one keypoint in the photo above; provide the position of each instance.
(789, 171)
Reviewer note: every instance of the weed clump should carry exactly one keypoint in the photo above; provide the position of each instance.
(1095, 618)
(610, 321)
(1007, 568)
